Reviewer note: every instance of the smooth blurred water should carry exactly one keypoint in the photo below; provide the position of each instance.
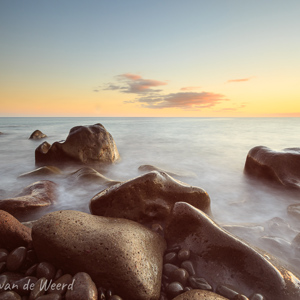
(213, 149)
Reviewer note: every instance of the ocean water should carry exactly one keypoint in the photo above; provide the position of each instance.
(207, 152)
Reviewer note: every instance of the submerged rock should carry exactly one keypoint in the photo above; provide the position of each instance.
(116, 253)
(37, 134)
(223, 259)
(280, 167)
(38, 194)
(199, 295)
(294, 210)
(43, 171)
(149, 168)
(147, 199)
(84, 145)
(13, 234)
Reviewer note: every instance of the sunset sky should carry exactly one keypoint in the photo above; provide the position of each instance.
(164, 58)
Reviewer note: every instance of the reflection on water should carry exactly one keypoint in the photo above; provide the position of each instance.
(213, 149)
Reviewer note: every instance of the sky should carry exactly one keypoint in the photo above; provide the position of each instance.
(160, 58)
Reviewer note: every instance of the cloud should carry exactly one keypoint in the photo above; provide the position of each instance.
(183, 100)
(96, 91)
(190, 88)
(239, 80)
(135, 84)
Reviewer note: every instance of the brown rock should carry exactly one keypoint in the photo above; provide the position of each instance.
(280, 167)
(149, 168)
(43, 171)
(39, 194)
(12, 233)
(235, 263)
(147, 199)
(199, 295)
(37, 134)
(84, 145)
(116, 253)
(10, 295)
(16, 258)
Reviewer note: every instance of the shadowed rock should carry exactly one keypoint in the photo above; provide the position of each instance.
(37, 134)
(280, 167)
(42, 171)
(116, 253)
(223, 259)
(147, 199)
(84, 145)
(13, 234)
(37, 195)
(199, 295)
(90, 175)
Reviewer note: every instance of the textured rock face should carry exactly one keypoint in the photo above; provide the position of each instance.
(116, 253)
(84, 145)
(42, 171)
(199, 295)
(147, 199)
(37, 134)
(280, 167)
(39, 194)
(12, 233)
(235, 263)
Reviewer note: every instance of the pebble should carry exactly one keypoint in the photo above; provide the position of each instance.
(199, 283)
(115, 297)
(173, 249)
(46, 270)
(24, 285)
(257, 297)
(174, 289)
(188, 265)
(31, 270)
(3, 255)
(180, 275)
(61, 285)
(3, 281)
(170, 258)
(2, 266)
(184, 254)
(16, 258)
(240, 297)
(226, 291)
(50, 297)
(58, 274)
(38, 289)
(9, 295)
(168, 269)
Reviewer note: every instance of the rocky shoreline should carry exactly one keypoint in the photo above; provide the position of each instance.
(151, 237)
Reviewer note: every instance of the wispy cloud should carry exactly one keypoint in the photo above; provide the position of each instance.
(135, 84)
(190, 88)
(183, 100)
(239, 80)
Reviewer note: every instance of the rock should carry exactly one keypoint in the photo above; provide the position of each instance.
(84, 145)
(149, 168)
(180, 275)
(199, 283)
(183, 254)
(90, 175)
(16, 258)
(235, 263)
(199, 295)
(174, 289)
(12, 233)
(37, 195)
(170, 257)
(294, 210)
(116, 253)
(9, 295)
(280, 167)
(188, 265)
(43, 171)
(84, 288)
(50, 297)
(46, 270)
(39, 289)
(37, 134)
(61, 284)
(226, 292)
(24, 285)
(147, 199)
(3, 255)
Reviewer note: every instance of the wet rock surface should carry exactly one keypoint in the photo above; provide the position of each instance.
(116, 253)
(37, 135)
(147, 199)
(280, 167)
(37, 195)
(222, 259)
(199, 295)
(84, 145)
(43, 171)
(12, 233)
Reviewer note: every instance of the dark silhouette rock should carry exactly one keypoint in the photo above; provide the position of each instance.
(37, 195)
(37, 135)
(147, 199)
(199, 295)
(13, 234)
(223, 259)
(84, 145)
(116, 253)
(280, 167)
(42, 171)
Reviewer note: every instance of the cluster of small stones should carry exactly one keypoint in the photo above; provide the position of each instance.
(23, 277)
(179, 276)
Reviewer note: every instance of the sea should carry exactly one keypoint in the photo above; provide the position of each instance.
(205, 152)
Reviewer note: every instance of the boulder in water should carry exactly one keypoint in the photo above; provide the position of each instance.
(43, 171)
(84, 145)
(37, 135)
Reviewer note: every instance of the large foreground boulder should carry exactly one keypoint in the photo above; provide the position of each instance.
(147, 199)
(37, 195)
(280, 167)
(223, 259)
(13, 234)
(116, 253)
(84, 145)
